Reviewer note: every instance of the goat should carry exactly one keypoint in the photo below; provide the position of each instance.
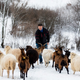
(75, 62)
(7, 62)
(39, 50)
(60, 61)
(47, 56)
(24, 64)
(15, 52)
(59, 51)
(32, 54)
(67, 52)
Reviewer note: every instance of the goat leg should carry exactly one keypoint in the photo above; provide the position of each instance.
(37, 62)
(56, 66)
(2, 73)
(7, 73)
(53, 64)
(67, 70)
(32, 66)
(47, 65)
(23, 76)
(58, 69)
(74, 72)
(27, 72)
(61, 69)
(12, 74)
(53, 61)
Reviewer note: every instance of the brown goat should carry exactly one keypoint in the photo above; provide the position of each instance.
(60, 60)
(63, 61)
(24, 64)
(40, 49)
(58, 51)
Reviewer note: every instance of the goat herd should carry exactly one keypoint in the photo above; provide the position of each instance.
(25, 60)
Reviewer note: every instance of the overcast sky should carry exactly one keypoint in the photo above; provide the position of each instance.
(52, 4)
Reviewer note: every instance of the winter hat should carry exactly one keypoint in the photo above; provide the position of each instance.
(40, 25)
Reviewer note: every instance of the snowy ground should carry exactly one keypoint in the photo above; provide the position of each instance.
(40, 72)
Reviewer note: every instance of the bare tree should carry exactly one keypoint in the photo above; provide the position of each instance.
(4, 8)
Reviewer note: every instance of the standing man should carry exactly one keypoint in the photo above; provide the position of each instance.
(42, 36)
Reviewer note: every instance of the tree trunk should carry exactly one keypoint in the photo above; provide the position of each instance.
(3, 22)
(2, 44)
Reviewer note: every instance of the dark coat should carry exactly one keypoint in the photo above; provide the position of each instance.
(42, 37)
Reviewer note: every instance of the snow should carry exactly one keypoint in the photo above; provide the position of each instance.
(40, 72)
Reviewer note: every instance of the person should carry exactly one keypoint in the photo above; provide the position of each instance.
(42, 36)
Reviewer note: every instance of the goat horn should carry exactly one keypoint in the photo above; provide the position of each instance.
(68, 49)
(56, 46)
(19, 47)
(40, 44)
(45, 44)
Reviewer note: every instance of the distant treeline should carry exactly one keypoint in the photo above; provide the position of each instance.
(25, 19)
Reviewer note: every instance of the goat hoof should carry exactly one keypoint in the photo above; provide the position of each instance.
(41, 62)
(21, 75)
(12, 77)
(59, 71)
(56, 69)
(32, 67)
(68, 73)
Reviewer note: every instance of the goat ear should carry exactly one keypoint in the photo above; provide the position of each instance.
(68, 49)
(20, 48)
(6, 46)
(62, 47)
(26, 47)
(54, 48)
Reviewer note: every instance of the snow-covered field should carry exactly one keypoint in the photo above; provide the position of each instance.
(40, 72)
